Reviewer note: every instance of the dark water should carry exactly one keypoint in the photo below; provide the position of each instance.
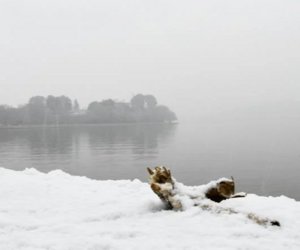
(263, 156)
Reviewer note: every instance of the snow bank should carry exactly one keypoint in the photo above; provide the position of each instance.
(59, 211)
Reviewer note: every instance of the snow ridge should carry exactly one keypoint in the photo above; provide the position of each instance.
(57, 211)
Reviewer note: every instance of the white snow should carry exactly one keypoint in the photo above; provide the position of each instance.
(57, 211)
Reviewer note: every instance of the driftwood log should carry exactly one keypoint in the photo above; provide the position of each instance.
(171, 192)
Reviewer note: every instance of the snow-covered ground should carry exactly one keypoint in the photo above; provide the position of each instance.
(59, 211)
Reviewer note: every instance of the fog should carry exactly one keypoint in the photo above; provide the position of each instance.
(197, 57)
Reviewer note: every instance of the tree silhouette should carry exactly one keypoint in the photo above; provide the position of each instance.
(76, 107)
(138, 101)
(37, 109)
(59, 110)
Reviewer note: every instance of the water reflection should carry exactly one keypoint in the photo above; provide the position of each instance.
(95, 151)
(263, 156)
(144, 139)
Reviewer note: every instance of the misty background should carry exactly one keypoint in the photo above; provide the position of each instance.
(209, 56)
(228, 69)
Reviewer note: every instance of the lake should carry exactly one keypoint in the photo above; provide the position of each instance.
(261, 155)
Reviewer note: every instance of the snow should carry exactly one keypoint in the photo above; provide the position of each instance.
(57, 211)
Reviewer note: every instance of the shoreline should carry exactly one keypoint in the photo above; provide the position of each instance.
(85, 124)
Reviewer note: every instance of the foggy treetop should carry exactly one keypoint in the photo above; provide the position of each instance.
(62, 110)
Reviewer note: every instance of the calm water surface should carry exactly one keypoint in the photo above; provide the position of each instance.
(263, 156)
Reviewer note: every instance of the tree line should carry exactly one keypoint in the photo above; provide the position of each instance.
(57, 110)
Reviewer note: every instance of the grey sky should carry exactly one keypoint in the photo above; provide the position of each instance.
(209, 54)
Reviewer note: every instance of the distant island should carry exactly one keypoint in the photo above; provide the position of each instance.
(56, 110)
